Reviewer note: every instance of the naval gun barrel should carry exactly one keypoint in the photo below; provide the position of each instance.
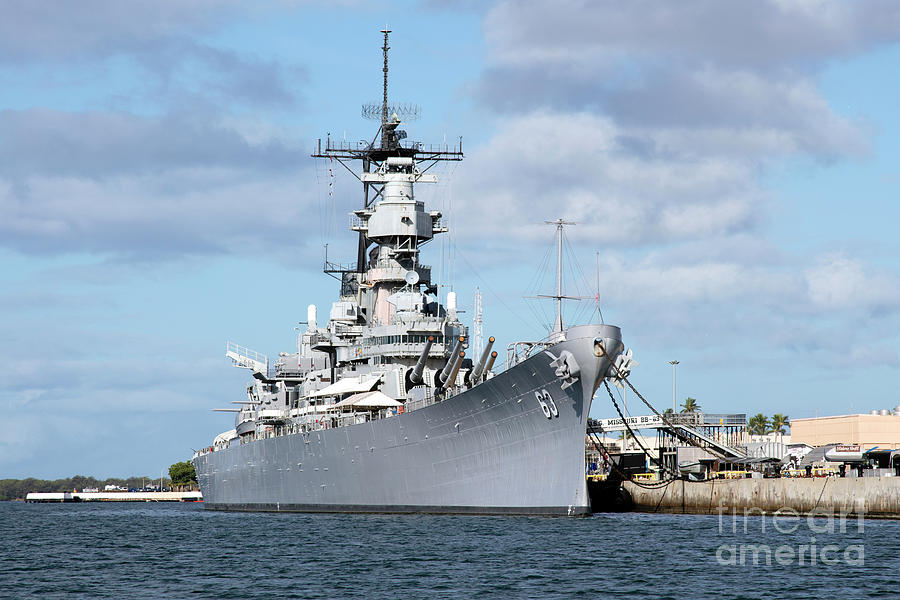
(457, 363)
(419, 369)
(475, 373)
(445, 374)
(490, 364)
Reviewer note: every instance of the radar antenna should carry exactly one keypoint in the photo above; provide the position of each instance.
(390, 115)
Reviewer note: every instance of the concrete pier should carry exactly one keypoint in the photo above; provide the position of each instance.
(114, 497)
(871, 496)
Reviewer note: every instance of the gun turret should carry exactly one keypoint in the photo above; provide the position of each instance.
(445, 374)
(416, 376)
(475, 374)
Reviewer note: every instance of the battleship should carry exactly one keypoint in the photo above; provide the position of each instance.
(382, 409)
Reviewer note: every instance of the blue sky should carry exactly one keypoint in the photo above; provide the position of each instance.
(731, 168)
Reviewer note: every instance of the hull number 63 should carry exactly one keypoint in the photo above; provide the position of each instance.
(548, 406)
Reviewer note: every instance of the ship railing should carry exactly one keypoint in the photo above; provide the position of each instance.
(428, 400)
(244, 351)
(333, 267)
(519, 351)
(319, 338)
(365, 146)
(245, 357)
(386, 268)
(407, 349)
(734, 420)
(392, 264)
(683, 418)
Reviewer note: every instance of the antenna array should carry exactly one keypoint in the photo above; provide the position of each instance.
(405, 111)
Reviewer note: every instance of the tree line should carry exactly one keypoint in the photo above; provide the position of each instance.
(13, 489)
(760, 424)
(16, 489)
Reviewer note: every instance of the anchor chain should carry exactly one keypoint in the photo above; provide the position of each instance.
(633, 434)
(634, 389)
(625, 476)
(624, 377)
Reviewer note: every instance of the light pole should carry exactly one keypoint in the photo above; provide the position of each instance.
(673, 363)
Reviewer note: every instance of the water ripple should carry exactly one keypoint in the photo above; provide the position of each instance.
(181, 551)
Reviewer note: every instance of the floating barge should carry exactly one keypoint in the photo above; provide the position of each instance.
(114, 497)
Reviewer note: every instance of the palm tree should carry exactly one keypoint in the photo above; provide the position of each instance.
(759, 424)
(668, 411)
(779, 422)
(690, 405)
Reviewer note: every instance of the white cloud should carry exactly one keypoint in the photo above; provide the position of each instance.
(171, 213)
(759, 35)
(654, 123)
(654, 127)
(59, 30)
(150, 186)
(580, 166)
(657, 281)
(837, 283)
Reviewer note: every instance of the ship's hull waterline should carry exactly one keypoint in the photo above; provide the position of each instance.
(489, 450)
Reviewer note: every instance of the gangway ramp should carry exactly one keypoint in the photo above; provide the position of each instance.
(695, 428)
(692, 435)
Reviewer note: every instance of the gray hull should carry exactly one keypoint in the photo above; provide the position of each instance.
(489, 450)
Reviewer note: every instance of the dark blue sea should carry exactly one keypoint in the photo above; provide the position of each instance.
(180, 551)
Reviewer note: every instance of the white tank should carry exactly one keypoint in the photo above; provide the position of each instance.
(884, 412)
(451, 306)
(897, 411)
(311, 318)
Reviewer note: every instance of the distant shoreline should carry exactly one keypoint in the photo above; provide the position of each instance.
(18, 489)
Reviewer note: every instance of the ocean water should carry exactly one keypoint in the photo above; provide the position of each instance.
(119, 550)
